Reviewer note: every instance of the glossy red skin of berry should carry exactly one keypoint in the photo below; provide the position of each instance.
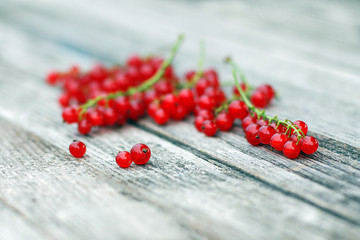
(309, 145)
(121, 105)
(238, 109)
(163, 87)
(179, 112)
(52, 78)
(279, 129)
(122, 82)
(189, 75)
(206, 102)
(262, 122)
(95, 117)
(224, 122)
(123, 159)
(161, 116)
(265, 134)
(134, 61)
(84, 127)
(110, 116)
(70, 115)
(137, 109)
(269, 90)
(205, 114)
(64, 100)
(198, 122)
(209, 128)
(252, 134)
(247, 121)
(146, 71)
(186, 98)
(201, 86)
(169, 102)
(302, 126)
(278, 140)
(140, 153)
(77, 149)
(236, 91)
(150, 96)
(291, 150)
(259, 99)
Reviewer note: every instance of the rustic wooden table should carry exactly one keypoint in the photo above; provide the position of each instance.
(194, 187)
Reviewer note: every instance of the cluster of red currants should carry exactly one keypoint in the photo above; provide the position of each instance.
(79, 88)
(139, 154)
(221, 116)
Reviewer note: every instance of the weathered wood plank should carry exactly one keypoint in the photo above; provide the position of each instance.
(222, 191)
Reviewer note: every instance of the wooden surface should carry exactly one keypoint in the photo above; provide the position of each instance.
(194, 187)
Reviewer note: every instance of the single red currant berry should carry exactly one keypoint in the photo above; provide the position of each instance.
(302, 126)
(252, 134)
(161, 116)
(201, 86)
(268, 89)
(137, 109)
(77, 149)
(205, 114)
(186, 97)
(265, 134)
(140, 153)
(278, 140)
(224, 122)
(84, 126)
(169, 102)
(262, 122)
(199, 122)
(259, 99)
(209, 128)
(206, 102)
(110, 116)
(52, 77)
(70, 115)
(247, 121)
(238, 109)
(309, 145)
(189, 75)
(95, 117)
(291, 150)
(64, 100)
(123, 159)
(179, 112)
(134, 61)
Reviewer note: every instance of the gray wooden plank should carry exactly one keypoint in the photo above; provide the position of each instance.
(300, 173)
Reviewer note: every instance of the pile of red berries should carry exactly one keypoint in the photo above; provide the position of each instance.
(111, 96)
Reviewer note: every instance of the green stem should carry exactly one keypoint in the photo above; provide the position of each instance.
(261, 113)
(200, 67)
(143, 87)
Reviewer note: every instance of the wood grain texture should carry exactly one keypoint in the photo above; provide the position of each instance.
(193, 183)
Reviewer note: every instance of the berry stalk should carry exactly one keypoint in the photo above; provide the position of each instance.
(261, 113)
(143, 87)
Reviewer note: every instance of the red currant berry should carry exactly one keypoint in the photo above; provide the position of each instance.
(247, 121)
(110, 116)
(206, 102)
(302, 126)
(262, 122)
(205, 114)
(95, 117)
(278, 140)
(224, 122)
(134, 61)
(123, 159)
(77, 149)
(137, 109)
(199, 122)
(189, 75)
(122, 105)
(252, 134)
(169, 102)
(140, 153)
(201, 86)
(52, 77)
(161, 116)
(163, 87)
(269, 90)
(265, 134)
(179, 112)
(209, 128)
(186, 97)
(64, 100)
(236, 90)
(70, 115)
(238, 109)
(291, 150)
(259, 99)
(84, 127)
(309, 145)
